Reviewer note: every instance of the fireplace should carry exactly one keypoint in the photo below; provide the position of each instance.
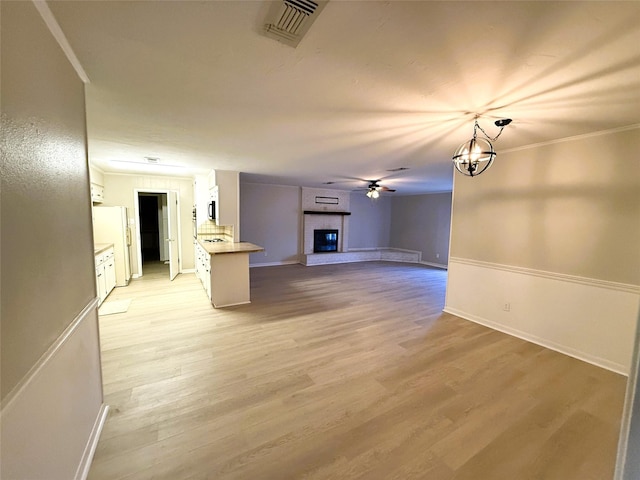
(325, 241)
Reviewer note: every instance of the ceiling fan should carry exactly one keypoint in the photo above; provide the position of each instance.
(374, 189)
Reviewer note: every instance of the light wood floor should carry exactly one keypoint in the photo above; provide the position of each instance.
(341, 372)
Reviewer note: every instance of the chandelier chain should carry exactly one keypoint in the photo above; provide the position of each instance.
(493, 139)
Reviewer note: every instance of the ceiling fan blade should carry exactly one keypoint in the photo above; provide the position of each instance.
(387, 189)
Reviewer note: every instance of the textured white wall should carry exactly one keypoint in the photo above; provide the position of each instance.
(312, 200)
(51, 382)
(370, 225)
(46, 208)
(422, 223)
(270, 217)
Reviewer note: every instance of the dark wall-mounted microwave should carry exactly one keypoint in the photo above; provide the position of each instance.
(212, 210)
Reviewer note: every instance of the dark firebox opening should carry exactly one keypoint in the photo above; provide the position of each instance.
(325, 241)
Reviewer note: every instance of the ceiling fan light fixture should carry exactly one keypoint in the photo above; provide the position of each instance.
(373, 193)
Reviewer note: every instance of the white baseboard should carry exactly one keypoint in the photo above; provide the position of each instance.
(589, 319)
(89, 451)
(435, 265)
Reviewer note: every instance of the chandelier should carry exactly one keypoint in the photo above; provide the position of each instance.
(475, 156)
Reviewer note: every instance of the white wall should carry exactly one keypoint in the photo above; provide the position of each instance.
(270, 217)
(553, 231)
(51, 387)
(119, 190)
(370, 225)
(96, 175)
(422, 223)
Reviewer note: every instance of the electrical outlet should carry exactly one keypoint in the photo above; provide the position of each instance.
(506, 307)
(437, 255)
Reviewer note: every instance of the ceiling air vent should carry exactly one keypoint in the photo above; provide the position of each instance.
(289, 20)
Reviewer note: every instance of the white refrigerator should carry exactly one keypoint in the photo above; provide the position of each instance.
(111, 225)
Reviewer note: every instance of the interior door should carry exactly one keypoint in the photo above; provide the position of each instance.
(174, 252)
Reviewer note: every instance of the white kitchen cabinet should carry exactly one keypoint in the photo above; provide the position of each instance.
(201, 199)
(213, 197)
(211, 179)
(110, 271)
(196, 251)
(199, 267)
(227, 194)
(101, 284)
(203, 268)
(207, 278)
(105, 273)
(97, 193)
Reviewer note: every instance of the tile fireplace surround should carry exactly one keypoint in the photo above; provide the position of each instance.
(326, 222)
(329, 207)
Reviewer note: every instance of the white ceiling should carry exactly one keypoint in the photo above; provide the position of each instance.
(373, 85)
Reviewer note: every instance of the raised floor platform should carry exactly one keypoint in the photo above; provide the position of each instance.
(363, 255)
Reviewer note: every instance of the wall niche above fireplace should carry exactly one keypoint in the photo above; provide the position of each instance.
(315, 212)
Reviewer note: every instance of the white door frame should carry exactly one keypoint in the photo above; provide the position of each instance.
(136, 207)
(174, 236)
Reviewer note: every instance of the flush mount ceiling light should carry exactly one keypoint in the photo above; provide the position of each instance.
(475, 156)
(151, 164)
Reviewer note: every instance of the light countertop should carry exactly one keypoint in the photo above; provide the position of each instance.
(229, 247)
(98, 248)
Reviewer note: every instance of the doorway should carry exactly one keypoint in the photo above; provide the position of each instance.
(158, 243)
(153, 228)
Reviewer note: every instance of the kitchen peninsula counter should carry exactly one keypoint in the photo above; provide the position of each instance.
(223, 268)
(229, 247)
(98, 248)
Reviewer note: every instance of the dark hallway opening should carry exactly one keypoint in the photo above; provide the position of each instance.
(149, 228)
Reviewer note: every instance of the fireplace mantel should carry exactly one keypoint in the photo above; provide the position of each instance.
(313, 212)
